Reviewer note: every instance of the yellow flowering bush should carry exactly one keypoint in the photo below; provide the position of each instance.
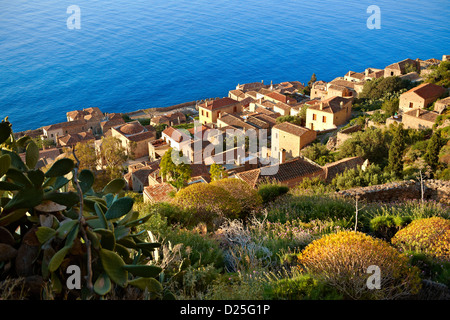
(342, 260)
(430, 236)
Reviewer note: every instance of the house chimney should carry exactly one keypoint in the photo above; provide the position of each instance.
(341, 104)
(282, 156)
(238, 160)
(321, 105)
(418, 113)
(367, 72)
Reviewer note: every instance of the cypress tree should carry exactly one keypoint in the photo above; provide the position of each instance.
(396, 151)
(434, 146)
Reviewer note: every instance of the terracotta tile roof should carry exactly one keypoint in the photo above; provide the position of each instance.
(343, 83)
(159, 192)
(401, 65)
(427, 90)
(251, 86)
(268, 112)
(252, 94)
(357, 75)
(266, 118)
(286, 108)
(67, 124)
(266, 91)
(238, 93)
(246, 101)
(175, 134)
(292, 128)
(87, 114)
(130, 128)
(260, 123)
(174, 116)
(330, 105)
(219, 103)
(283, 172)
(278, 96)
(160, 119)
(234, 121)
(112, 122)
(142, 136)
(73, 139)
(338, 167)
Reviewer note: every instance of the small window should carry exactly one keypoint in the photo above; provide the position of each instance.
(51, 135)
(411, 105)
(276, 135)
(324, 119)
(203, 113)
(207, 114)
(314, 116)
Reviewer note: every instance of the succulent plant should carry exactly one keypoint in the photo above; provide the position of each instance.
(51, 220)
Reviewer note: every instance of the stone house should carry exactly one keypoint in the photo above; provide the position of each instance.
(319, 90)
(210, 110)
(70, 140)
(291, 138)
(328, 114)
(253, 86)
(157, 148)
(419, 119)
(134, 137)
(354, 76)
(93, 116)
(282, 108)
(338, 167)
(230, 120)
(237, 95)
(111, 120)
(401, 67)
(175, 137)
(420, 97)
(373, 73)
(52, 132)
(441, 105)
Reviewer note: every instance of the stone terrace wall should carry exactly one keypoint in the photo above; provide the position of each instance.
(437, 190)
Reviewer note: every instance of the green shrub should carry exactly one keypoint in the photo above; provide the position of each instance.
(311, 207)
(342, 260)
(386, 227)
(302, 287)
(201, 250)
(194, 283)
(431, 269)
(238, 286)
(269, 191)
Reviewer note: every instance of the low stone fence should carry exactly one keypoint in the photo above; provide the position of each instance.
(437, 190)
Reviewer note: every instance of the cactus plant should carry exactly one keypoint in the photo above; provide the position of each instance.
(63, 222)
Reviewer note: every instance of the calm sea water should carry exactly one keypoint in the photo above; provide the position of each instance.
(138, 54)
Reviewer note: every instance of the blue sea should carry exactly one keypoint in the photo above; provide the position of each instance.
(130, 55)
